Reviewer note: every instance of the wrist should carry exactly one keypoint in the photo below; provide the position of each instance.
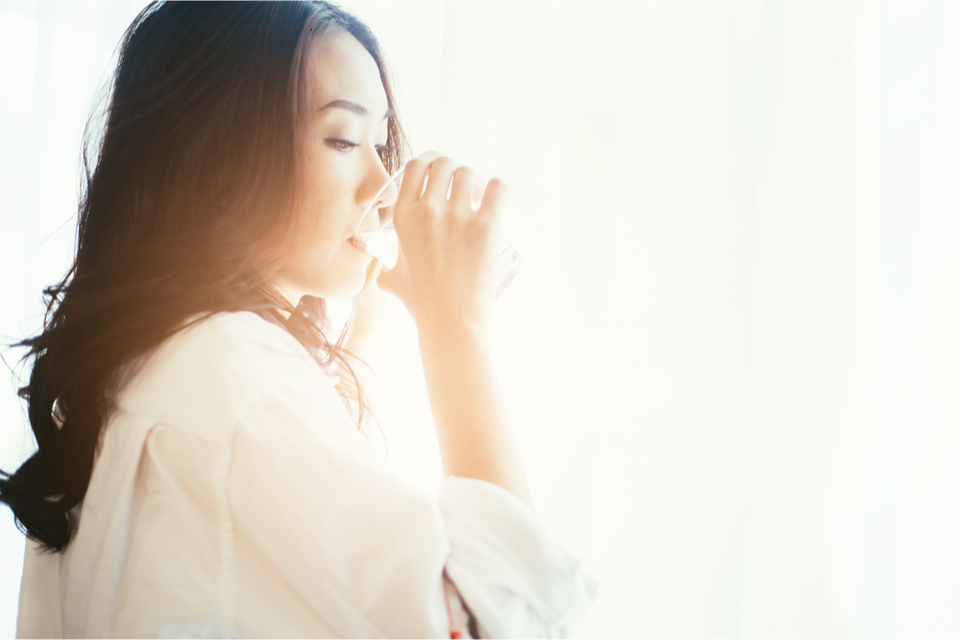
(452, 332)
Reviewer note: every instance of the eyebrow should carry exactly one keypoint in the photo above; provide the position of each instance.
(353, 107)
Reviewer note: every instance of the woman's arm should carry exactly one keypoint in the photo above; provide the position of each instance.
(476, 440)
(446, 279)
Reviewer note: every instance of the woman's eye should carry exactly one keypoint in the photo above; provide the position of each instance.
(341, 145)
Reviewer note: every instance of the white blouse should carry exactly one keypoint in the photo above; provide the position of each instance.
(234, 496)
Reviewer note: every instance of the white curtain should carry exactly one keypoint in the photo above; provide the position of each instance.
(733, 352)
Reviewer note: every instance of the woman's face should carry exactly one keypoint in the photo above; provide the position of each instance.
(345, 129)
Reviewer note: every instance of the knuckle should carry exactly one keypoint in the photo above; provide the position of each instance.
(444, 162)
(432, 209)
(480, 224)
(416, 165)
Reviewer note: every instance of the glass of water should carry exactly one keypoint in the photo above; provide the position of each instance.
(384, 245)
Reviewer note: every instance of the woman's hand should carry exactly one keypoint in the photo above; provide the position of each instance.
(447, 268)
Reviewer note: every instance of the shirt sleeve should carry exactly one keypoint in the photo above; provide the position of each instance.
(366, 552)
(513, 577)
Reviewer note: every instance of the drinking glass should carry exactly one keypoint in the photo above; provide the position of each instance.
(384, 245)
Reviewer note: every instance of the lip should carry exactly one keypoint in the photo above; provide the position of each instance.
(357, 243)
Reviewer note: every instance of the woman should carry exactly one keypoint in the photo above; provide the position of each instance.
(199, 472)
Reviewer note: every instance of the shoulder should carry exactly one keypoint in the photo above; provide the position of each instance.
(208, 375)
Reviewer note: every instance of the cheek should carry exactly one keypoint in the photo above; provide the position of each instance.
(329, 186)
(326, 209)
(322, 190)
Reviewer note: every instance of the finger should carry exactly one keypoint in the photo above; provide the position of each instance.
(413, 175)
(412, 184)
(464, 181)
(494, 197)
(476, 195)
(441, 170)
(429, 156)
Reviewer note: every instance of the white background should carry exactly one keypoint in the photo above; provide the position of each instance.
(732, 354)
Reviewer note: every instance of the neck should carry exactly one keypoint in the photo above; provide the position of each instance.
(288, 291)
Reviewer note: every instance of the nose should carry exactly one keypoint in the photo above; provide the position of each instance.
(385, 193)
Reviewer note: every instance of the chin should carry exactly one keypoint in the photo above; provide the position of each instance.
(344, 293)
(346, 288)
(339, 278)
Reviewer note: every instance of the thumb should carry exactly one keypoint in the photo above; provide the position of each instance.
(396, 280)
(387, 280)
(373, 271)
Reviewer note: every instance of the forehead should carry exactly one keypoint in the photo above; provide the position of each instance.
(339, 68)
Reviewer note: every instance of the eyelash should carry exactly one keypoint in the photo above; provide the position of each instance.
(346, 145)
(341, 145)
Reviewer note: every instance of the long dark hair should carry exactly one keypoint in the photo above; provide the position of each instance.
(189, 203)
